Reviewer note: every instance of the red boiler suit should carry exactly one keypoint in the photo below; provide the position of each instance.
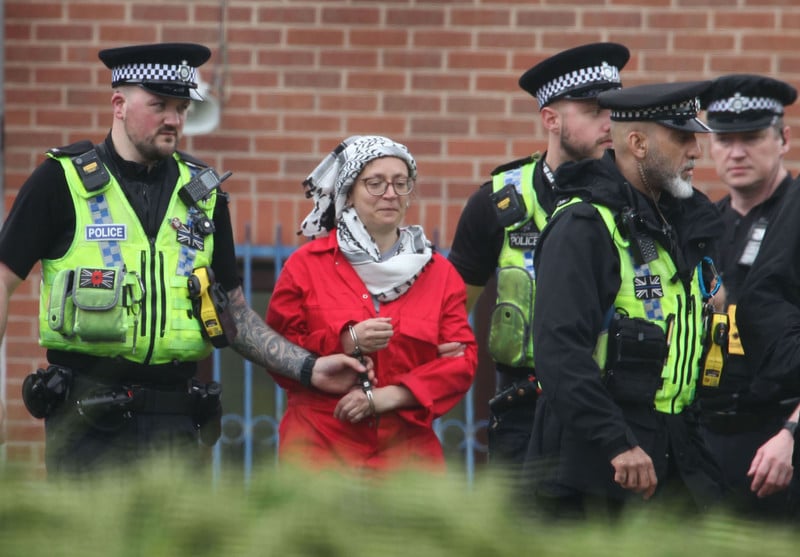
(316, 296)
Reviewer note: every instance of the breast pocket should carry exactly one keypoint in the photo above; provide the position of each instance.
(415, 342)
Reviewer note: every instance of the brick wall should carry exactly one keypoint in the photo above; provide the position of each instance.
(294, 77)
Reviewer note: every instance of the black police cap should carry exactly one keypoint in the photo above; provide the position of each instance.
(168, 69)
(578, 73)
(746, 102)
(674, 105)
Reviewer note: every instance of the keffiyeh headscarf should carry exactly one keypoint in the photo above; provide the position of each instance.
(329, 184)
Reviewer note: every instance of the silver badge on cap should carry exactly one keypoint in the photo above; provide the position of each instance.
(608, 71)
(184, 71)
(738, 103)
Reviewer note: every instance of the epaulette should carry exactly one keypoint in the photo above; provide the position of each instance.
(73, 149)
(516, 164)
(192, 161)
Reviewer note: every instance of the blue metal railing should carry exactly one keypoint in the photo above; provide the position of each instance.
(238, 441)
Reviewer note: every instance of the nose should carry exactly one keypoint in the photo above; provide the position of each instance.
(390, 188)
(694, 149)
(174, 116)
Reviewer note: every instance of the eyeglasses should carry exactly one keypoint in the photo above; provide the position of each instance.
(378, 186)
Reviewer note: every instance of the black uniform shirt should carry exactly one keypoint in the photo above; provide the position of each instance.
(479, 236)
(41, 222)
(734, 262)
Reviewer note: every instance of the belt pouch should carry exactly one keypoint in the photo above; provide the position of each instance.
(510, 321)
(636, 355)
(99, 312)
(60, 309)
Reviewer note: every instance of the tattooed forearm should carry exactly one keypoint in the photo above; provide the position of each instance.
(260, 344)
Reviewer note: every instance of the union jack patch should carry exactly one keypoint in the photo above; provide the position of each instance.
(187, 237)
(648, 287)
(97, 278)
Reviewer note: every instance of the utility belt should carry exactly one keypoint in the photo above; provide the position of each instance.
(107, 407)
(742, 422)
(523, 389)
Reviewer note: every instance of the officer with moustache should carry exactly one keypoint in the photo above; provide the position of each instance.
(500, 225)
(618, 320)
(131, 233)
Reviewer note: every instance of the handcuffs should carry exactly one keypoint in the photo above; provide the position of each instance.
(363, 377)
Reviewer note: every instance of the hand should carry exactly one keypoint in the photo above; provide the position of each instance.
(373, 334)
(338, 373)
(771, 468)
(634, 470)
(353, 407)
(451, 349)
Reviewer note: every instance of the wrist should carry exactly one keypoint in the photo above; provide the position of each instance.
(791, 427)
(356, 353)
(306, 369)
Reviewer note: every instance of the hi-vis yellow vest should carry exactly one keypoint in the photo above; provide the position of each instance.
(648, 292)
(510, 329)
(157, 322)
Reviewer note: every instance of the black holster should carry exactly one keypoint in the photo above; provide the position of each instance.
(637, 350)
(45, 389)
(207, 410)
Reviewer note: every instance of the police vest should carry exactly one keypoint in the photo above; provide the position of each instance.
(510, 330)
(648, 292)
(117, 292)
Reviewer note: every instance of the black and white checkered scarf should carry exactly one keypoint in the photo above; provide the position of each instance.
(386, 278)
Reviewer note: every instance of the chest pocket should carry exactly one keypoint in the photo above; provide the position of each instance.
(415, 341)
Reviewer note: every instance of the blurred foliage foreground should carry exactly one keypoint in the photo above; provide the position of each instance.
(160, 511)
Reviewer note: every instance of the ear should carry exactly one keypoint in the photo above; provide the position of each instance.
(637, 143)
(786, 136)
(551, 119)
(118, 105)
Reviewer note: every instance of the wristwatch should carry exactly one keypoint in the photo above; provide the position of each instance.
(790, 426)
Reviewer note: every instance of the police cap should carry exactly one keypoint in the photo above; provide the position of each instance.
(168, 69)
(745, 102)
(674, 105)
(578, 73)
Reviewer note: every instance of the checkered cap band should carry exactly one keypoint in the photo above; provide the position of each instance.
(686, 109)
(166, 73)
(739, 104)
(604, 73)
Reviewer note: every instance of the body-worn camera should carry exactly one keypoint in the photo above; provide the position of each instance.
(45, 389)
(643, 247)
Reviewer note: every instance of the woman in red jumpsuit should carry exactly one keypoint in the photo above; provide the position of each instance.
(367, 285)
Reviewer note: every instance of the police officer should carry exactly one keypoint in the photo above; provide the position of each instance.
(500, 224)
(119, 228)
(748, 145)
(617, 327)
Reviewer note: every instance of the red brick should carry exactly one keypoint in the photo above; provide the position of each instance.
(442, 38)
(534, 19)
(661, 19)
(349, 59)
(414, 17)
(347, 101)
(159, 12)
(379, 38)
(477, 60)
(350, 16)
(415, 60)
(477, 17)
(273, 14)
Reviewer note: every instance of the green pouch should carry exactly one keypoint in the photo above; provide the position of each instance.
(100, 314)
(509, 331)
(60, 309)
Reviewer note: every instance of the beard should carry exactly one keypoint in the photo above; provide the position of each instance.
(659, 174)
(579, 151)
(679, 188)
